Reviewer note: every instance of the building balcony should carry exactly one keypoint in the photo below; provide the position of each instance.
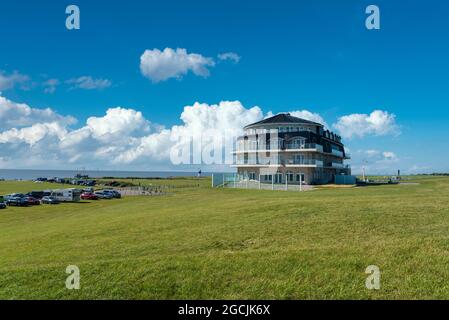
(304, 147)
(303, 163)
(286, 163)
(335, 165)
(291, 147)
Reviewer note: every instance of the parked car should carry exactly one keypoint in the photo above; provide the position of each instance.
(15, 195)
(113, 193)
(103, 195)
(49, 200)
(32, 201)
(88, 190)
(17, 201)
(38, 194)
(89, 196)
(2, 203)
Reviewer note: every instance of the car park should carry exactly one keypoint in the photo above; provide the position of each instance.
(49, 200)
(89, 196)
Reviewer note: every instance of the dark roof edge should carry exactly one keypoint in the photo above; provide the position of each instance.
(283, 118)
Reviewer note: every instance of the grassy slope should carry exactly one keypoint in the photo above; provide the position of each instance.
(213, 243)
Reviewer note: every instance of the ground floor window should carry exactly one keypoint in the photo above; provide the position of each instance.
(252, 176)
(300, 177)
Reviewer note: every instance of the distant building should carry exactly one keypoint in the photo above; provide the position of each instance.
(287, 149)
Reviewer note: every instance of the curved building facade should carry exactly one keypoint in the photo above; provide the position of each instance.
(287, 149)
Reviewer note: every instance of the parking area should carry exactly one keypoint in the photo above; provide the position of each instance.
(57, 196)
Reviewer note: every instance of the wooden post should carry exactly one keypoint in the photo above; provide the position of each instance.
(286, 182)
(300, 182)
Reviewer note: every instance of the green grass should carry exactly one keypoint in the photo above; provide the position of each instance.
(208, 243)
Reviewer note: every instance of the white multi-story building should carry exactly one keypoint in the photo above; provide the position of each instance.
(287, 149)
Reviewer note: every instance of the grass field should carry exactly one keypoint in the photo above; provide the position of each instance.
(199, 242)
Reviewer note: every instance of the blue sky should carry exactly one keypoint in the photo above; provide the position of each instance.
(295, 55)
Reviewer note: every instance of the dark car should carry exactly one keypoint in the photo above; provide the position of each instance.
(89, 196)
(32, 201)
(17, 201)
(35, 194)
(2, 203)
(49, 200)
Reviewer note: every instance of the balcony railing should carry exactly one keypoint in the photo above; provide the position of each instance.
(305, 162)
(308, 162)
(289, 146)
(302, 146)
(339, 165)
(337, 153)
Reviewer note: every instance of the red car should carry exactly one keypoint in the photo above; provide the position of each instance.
(32, 201)
(89, 196)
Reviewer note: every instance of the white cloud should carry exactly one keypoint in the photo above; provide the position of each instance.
(9, 81)
(117, 122)
(32, 135)
(373, 155)
(229, 56)
(378, 123)
(307, 115)
(226, 117)
(375, 162)
(50, 85)
(89, 83)
(121, 138)
(20, 115)
(162, 65)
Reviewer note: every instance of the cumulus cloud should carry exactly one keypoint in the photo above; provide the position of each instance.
(89, 83)
(159, 65)
(9, 81)
(307, 115)
(232, 56)
(226, 118)
(120, 137)
(116, 122)
(378, 123)
(17, 115)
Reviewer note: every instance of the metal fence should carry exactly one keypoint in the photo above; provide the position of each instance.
(237, 181)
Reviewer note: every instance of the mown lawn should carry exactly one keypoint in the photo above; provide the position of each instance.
(199, 242)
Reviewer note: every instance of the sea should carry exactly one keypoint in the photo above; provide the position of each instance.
(23, 174)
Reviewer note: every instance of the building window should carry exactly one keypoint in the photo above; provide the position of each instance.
(300, 177)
